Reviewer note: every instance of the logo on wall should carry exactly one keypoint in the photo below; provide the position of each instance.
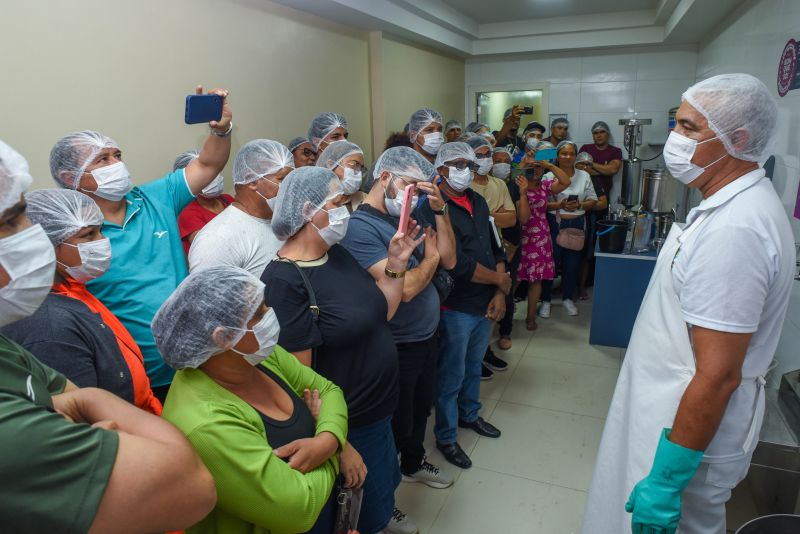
(787, 69)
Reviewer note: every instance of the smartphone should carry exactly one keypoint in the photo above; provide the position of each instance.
(572, 198)
(546, 154)
(408, 197)
(348, 510)
(527, 110)
(203, 108)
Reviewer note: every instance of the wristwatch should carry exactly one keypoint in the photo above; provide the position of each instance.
(394, 274)
(442, 211)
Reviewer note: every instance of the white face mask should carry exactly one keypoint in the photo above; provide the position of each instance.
(459, 180)
(531, 143)
(266, 331)
(337, 225)
(29, 259)
(678, 153)
(432, 143)
(113, 181)
(352, 180)
(270, 201)
(394, 206)
(215, 188)
(501, 170)
(484, 166)
(95, 259)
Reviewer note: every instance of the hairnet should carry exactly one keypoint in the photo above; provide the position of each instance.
(731, 102)
(533, 125)
(334, 153)
(508, 149)
(62, 212)
(452, 125)
(15, 177)
(296, 142)
(559, 120)
(454, 151)
(322, 125)
(420, 119)
(404, 161)
(542, 145)
(478, 141)
(600, 125)
(562, 144)
(584, 157)
(73, 153)
(222, 298)
(302, 193)
(475, 126)
(259, 158)
(184, 159)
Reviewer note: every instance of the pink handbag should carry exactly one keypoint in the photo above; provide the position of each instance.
(570, 238)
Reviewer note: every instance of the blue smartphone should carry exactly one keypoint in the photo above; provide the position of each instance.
(545, 154)
(203, 108)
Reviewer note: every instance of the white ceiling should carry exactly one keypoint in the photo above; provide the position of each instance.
(511, 10)
(481, 28)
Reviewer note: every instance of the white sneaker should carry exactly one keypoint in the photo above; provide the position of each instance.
(400, 524)
(570, 307)
(430, 475)
(544, 310)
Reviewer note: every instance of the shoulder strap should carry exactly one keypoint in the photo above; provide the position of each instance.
(312, 297)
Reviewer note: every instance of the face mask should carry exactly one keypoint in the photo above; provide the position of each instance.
(352, 180)
(337, 225)
(484, 166)
(270, 201)
(113, 181)
(531, 143)
(394, 206)
(215, 188)
(501, 170)
(29, 259)
(433, 142)
(266, 331)
(95, 259)
(459, 180)
(678, 153)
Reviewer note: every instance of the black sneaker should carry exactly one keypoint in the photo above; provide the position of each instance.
(493, 362)
(486, 373)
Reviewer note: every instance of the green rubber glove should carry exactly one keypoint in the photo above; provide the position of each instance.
(655, 501)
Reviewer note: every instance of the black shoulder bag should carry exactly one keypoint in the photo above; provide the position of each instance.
(312, 303)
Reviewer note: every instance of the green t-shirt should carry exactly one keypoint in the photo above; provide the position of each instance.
(54, 471)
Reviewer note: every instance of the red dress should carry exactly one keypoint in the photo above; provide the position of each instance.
(194, 217)
(536, 258)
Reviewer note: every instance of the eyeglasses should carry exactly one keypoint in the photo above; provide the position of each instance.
(484, 155)
(463, 164)
(307, 152)
(356, 166)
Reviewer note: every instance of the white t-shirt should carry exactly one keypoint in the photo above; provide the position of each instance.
(580, 184)
(234, 238)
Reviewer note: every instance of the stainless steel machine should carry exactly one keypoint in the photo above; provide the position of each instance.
(632, 167)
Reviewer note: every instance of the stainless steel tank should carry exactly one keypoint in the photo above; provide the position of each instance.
(653, 189)
(632, 167)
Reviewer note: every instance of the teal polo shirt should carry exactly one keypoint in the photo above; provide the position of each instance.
(147, 263)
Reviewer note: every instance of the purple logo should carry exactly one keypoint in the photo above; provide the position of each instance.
(787, 68)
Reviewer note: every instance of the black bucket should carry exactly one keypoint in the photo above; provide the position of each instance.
(772, 524)
(611, 235)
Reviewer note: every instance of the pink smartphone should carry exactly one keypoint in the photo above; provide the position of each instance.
(408, 196)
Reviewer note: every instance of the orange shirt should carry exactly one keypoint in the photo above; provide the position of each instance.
(142, 394)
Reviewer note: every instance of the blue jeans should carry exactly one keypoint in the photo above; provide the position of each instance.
(463, 342)
(375, 444)
(568, 260)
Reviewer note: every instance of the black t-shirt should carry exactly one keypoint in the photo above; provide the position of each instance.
(512, 234)
(300, 424)
(353, 342)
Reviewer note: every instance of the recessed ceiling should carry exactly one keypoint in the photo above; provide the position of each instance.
(484, 11)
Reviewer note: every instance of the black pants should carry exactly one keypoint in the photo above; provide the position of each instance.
(507, 322)
(417, 390)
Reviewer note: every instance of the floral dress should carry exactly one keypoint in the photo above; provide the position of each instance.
(536, 259)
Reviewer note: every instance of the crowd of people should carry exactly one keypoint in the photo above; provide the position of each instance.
(252, 355)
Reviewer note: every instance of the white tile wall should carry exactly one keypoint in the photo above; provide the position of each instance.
(752, 42)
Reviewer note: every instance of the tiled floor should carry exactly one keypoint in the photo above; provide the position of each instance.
(550, 404)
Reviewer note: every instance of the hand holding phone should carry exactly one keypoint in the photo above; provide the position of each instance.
(572, 198)
(408, 197)
(545, 154)
(203, 108)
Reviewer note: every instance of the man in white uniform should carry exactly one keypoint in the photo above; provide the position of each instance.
(242, 234)
(689, 401)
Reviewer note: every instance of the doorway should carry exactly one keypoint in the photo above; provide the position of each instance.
(491, 105)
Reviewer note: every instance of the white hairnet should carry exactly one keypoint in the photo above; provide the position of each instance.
(220, 299)
(322, 125)
(543, 145)
(559, 120)
(420, 119)
(451, 125)
(454, 151)
(561, 145)
(259, 158)
(335, 152)
(184, 159)
(296, 142)
(404, 161)
(15, 177)
(62, 212)
(475, 126)
(73, 153)
(478, 141)
(508, 149)
(302, 193)
(733, 102)
(584, 157)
